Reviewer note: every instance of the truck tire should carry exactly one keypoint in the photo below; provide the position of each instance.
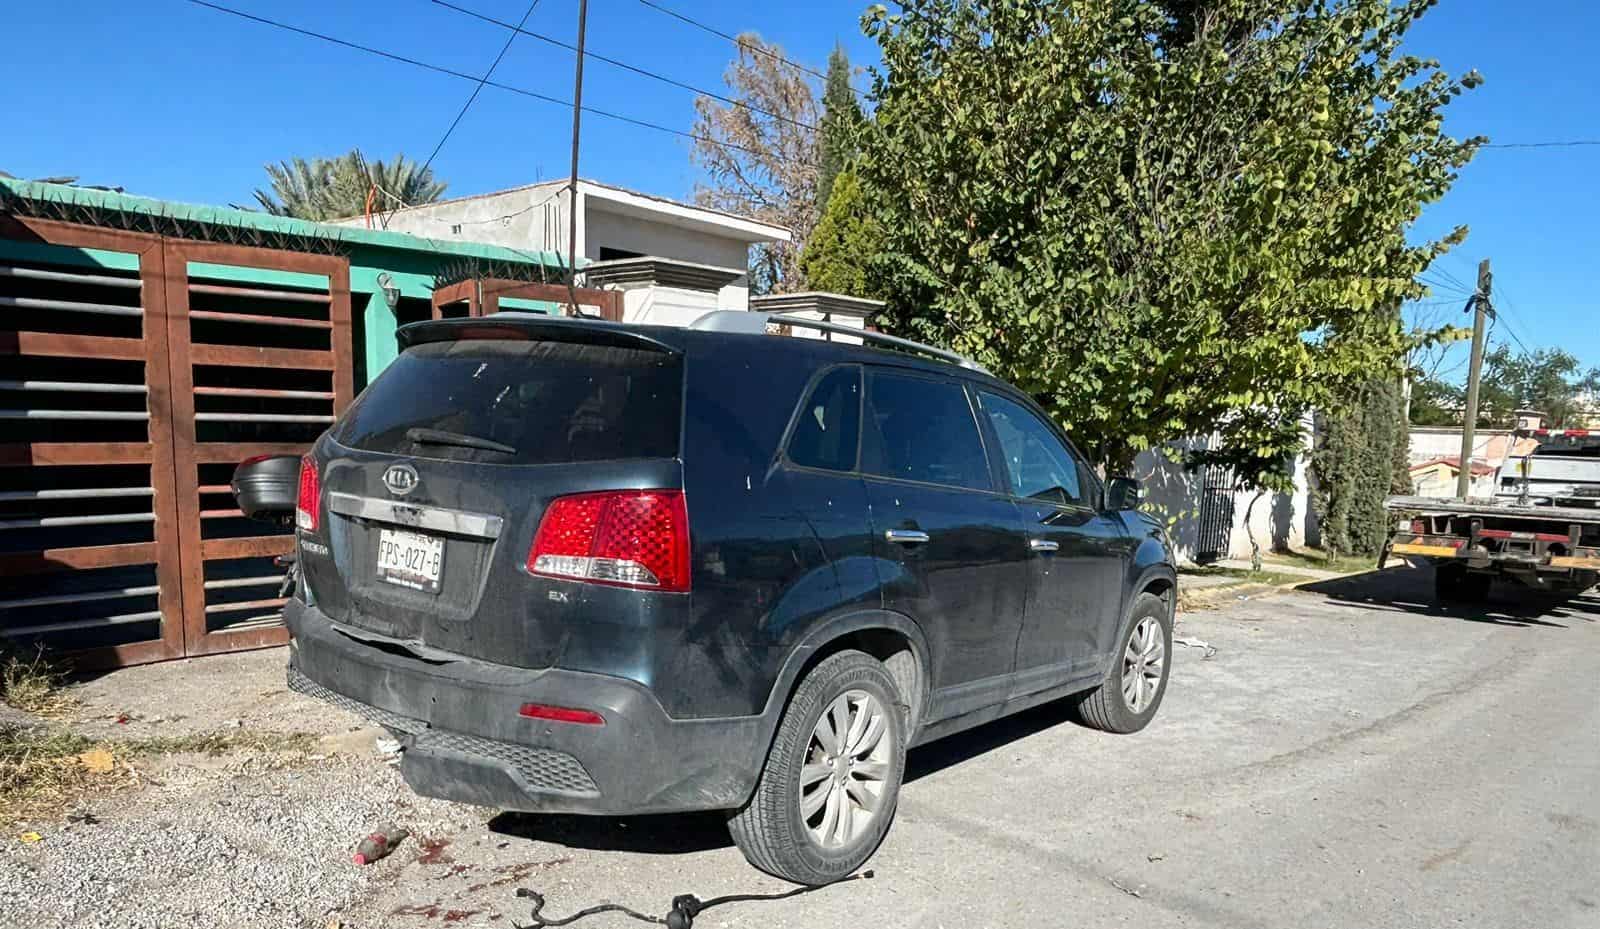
(1455, 584)
(828, 790)
(1128, 698)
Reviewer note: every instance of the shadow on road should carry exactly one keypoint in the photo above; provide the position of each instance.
(1410, 590)
(677, 834)
(681, 834)
(964, 746)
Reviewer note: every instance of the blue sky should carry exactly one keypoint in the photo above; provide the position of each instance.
(172, 100)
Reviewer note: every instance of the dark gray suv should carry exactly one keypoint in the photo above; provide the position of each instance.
(587, 567)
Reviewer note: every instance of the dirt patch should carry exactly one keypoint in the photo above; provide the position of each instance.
(433, 851)
(45, 771)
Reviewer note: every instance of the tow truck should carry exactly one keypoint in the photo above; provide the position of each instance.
(1541, 529)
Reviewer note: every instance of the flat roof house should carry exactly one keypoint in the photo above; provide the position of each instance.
(698, 248)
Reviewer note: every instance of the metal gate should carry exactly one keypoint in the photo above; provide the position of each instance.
(135, 372)
(1216, 514)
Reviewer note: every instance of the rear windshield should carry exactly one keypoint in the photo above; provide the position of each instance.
(548, 402)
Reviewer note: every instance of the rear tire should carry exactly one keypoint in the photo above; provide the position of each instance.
(1128, 698)
(828, 790)
(1455, 584)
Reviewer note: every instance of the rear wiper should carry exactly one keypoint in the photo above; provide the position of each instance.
(420, 436)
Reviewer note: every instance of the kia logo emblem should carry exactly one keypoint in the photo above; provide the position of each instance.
(401, 479)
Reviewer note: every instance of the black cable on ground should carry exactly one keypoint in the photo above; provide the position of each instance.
(685, 907)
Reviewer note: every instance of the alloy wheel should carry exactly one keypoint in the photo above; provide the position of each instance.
(847, 764)
(1143, 663)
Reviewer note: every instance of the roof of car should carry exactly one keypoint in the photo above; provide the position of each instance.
(671, 339)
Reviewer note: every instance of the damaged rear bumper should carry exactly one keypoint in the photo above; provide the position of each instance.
(465, 741)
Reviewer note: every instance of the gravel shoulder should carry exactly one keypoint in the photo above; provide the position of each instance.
(1351, 755)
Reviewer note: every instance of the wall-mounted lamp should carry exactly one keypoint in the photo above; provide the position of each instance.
(391, 290)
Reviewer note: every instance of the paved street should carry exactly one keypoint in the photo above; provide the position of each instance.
(1350, 757)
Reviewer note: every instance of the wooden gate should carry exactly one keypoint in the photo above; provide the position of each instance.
(482, 297)
(256, 370)
(136, 373)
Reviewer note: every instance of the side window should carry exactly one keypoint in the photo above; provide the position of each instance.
(919, 429)
(1038, 464)
(830, 423)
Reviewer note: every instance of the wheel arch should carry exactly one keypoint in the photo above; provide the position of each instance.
(1159, 579)
(893, 638)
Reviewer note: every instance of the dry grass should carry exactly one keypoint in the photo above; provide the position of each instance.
(1240, 582)
(1322, 560)
(39, 770)
(32, 683)
(43, 771)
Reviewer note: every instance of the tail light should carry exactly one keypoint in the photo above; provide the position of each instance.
(628, 538)
(561, 714)
(308, 510)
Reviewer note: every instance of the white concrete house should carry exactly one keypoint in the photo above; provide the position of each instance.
(614, 224)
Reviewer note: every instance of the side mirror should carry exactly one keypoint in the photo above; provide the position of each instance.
(1124, 493)
(268, 487)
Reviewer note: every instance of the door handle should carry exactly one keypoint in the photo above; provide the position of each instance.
(906, 536)
(1043, 545)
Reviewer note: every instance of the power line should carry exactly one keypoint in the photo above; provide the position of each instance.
(643, 72)
(469, 77)
(477, 90)
(745, 45)
(1441, 285)
(1444, 272)
(1573, 143)
(1509, 310)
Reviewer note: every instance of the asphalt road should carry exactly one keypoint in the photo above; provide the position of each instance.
(1351, 756)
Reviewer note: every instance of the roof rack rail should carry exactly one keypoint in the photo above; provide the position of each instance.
(753, 322)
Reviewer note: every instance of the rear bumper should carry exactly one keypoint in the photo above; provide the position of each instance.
(457, 719)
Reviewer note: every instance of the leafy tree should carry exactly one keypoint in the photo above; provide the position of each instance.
(1360, 458)
(841, 121)
(1435, 402)
(836, 257)
(336, 188)
(1161, 222)
(761, 157)
(1548, 380)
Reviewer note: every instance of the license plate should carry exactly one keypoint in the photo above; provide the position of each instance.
(410, 559)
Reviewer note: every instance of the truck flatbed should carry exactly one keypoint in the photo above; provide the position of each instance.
(1491, 506)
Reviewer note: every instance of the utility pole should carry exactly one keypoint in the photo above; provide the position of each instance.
(1481, 308)
(572, 185)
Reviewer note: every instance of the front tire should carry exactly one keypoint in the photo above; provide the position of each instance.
(1128, 698)
(828, 791)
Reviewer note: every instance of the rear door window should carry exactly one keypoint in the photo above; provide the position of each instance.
(922, 429)
(547, 402)
(829, 426)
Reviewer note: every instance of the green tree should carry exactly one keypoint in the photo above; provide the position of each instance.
(337, 188)
(1435, 402)
(841, 122)
(1359, 459)
(1160, 223)
(1548, 380)
(836, 257)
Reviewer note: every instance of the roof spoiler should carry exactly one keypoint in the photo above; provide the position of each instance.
(756, 323)
(532, 327)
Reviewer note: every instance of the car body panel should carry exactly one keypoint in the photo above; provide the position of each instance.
(786, 561)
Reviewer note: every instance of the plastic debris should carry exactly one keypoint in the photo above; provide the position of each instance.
(31, 837)
(385, 839)
(1207, 649)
